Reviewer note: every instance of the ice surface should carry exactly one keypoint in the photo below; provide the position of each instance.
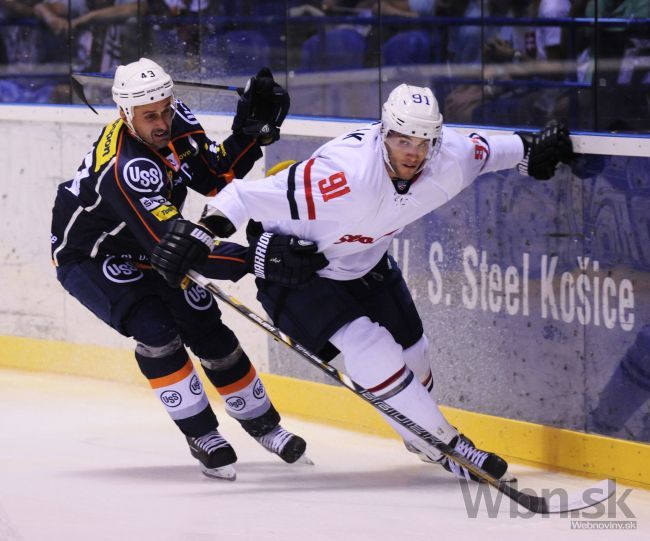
(90, 460)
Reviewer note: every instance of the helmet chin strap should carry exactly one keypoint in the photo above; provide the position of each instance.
(128, 120)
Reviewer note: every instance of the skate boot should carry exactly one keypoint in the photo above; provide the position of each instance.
(287, 446)
(214, 454)
(491, 463)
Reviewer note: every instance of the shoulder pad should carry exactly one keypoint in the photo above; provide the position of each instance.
(184, 118)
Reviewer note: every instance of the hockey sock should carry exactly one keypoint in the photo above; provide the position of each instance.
(244, 395)
(416, 359)
(416, 404)
(375, 361)
(177, 385)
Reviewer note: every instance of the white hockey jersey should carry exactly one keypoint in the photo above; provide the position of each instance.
(343, 199)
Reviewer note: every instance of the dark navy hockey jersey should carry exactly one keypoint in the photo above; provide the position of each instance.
(126, 193)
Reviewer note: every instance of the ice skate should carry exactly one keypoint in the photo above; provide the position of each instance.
(215, 455)
(287, 446)
(490, 462)
(485, 460)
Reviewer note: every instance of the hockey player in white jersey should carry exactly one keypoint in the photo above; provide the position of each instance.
(351, 197)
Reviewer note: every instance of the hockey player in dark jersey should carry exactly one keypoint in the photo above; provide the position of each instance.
(127, 192)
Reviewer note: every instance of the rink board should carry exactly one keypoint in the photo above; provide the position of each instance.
(566, 450)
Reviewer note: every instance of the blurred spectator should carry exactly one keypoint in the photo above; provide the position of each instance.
(517, 52)
(463, 54)
(322, 46)
(307, 9)
(463, 41)
(56, 15)
(623, 64)
(100, 42)
(397, 8)
(25, 46)
(112, 39)
(521, 43)
(422, 7)
(21, 41)
(175, 36)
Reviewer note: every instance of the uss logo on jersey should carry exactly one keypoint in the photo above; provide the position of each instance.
(120, 271)
(143, 175)
(197, 297)
(107, 145)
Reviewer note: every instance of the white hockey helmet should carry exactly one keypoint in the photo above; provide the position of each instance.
(414, 111)
(140, 83)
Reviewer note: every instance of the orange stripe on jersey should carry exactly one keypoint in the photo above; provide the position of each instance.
(242, 153)
(227, 258)
(179, 375)
(126, 196)
(229, 175)
(194, 132)
(239, 384)
(311, 210)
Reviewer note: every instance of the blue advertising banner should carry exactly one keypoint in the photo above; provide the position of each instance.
(535, 296)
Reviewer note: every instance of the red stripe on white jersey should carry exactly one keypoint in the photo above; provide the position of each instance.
(311, 209)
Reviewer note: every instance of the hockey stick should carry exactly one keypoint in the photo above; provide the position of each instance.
(78, 80)
(538, 504)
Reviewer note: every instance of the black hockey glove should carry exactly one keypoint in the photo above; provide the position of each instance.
(544, 150)
(184, 246)
(261, 108)
(283, 259)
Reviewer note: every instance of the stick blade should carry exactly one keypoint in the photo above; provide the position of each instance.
(575, 501)
(78, 89)
(588, 497)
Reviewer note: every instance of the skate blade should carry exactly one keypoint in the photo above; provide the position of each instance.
(225, 473)
(304, 459)
(508, 478)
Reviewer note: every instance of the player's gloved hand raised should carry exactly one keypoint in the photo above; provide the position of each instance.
(261, 108)
(283, 259)
(186, 245)
(544, 150)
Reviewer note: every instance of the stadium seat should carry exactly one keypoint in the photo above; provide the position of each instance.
(243, 51)
(405, 48)
(340, 48)
(12, 92)
(164, 41)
